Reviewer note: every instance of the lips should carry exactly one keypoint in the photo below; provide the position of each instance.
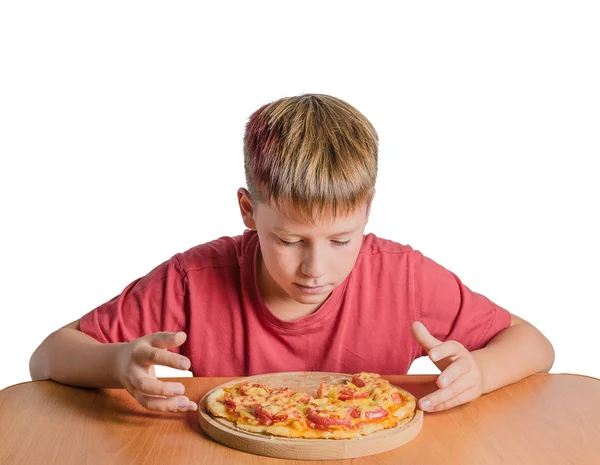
(310, 289)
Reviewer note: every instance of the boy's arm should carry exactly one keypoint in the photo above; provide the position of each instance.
(71, 357)
(513, 354)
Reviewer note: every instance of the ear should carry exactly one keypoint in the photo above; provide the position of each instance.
(246, 208)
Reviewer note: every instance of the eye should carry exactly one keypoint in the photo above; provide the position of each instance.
(288, 244)
(341, 242)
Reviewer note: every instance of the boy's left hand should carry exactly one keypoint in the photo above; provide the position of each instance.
(460, 381)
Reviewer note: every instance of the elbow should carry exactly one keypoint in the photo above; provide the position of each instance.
(543, 354)
(549, 357)
(38, 366)
(35, 368)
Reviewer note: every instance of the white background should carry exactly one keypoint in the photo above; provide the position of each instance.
(121, 129)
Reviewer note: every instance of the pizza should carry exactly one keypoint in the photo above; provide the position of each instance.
(341, 409)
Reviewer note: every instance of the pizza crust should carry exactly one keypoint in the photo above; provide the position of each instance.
(408, 410)
(215, 407)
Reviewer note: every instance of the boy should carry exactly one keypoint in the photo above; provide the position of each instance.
(303, 289)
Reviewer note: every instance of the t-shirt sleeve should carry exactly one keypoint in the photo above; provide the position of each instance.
(451, 311)
(149, 304)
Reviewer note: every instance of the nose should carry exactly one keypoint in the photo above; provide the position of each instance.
(313, 263)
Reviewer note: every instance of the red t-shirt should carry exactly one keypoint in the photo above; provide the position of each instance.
(211, 293)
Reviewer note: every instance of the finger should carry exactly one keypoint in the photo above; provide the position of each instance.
(154, 387)
(453, 372)
(162, 404)
(447, 349)
(166, 340)
(424, 337)
(193, 406)
(431, 401)
(462, 398)
(159, 403)
(146, 355)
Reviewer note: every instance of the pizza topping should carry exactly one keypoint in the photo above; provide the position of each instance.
(253, 389)
(347, 393)
(229, 403)
(263, 415)
(318, 426)
(378, 412)
(362, 378)
(273, 413)
(326, 420)
(301, 398)
(340, 408)
(322, 392)
(354, 411)
(280, 395)
(358, 381)
(281, 392)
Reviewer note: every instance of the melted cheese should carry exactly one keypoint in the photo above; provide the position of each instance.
(250, 390)
(282, 402)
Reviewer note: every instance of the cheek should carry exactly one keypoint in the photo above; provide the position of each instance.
(346, 262)
(284, 261)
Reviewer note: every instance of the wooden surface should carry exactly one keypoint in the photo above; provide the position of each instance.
(227, 433)
(543, 419)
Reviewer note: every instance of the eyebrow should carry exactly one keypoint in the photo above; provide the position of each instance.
(291, 233)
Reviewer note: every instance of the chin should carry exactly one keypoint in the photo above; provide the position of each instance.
(309, 299)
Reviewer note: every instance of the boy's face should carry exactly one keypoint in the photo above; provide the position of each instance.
(302, 263)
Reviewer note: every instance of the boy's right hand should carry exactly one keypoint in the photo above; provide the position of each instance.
(136, 372)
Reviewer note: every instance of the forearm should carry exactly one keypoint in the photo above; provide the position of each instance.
(71, 357)
(515, 353)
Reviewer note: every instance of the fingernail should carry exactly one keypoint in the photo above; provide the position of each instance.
(182, 403)
(183, 364)
(178, 390)
(425, 404)
(434, 355)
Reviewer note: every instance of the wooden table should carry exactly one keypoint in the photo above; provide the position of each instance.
(543, 419)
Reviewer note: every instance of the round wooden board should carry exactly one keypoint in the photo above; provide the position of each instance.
(225, 432)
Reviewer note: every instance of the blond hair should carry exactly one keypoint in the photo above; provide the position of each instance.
(314, 152)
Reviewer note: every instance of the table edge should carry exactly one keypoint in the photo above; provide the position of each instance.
(233, 377)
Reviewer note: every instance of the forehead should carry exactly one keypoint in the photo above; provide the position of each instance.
(287, 220)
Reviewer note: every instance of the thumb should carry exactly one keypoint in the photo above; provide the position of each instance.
(166, 340)
(424, 337)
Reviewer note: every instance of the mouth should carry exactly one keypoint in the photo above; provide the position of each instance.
(310, 289)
